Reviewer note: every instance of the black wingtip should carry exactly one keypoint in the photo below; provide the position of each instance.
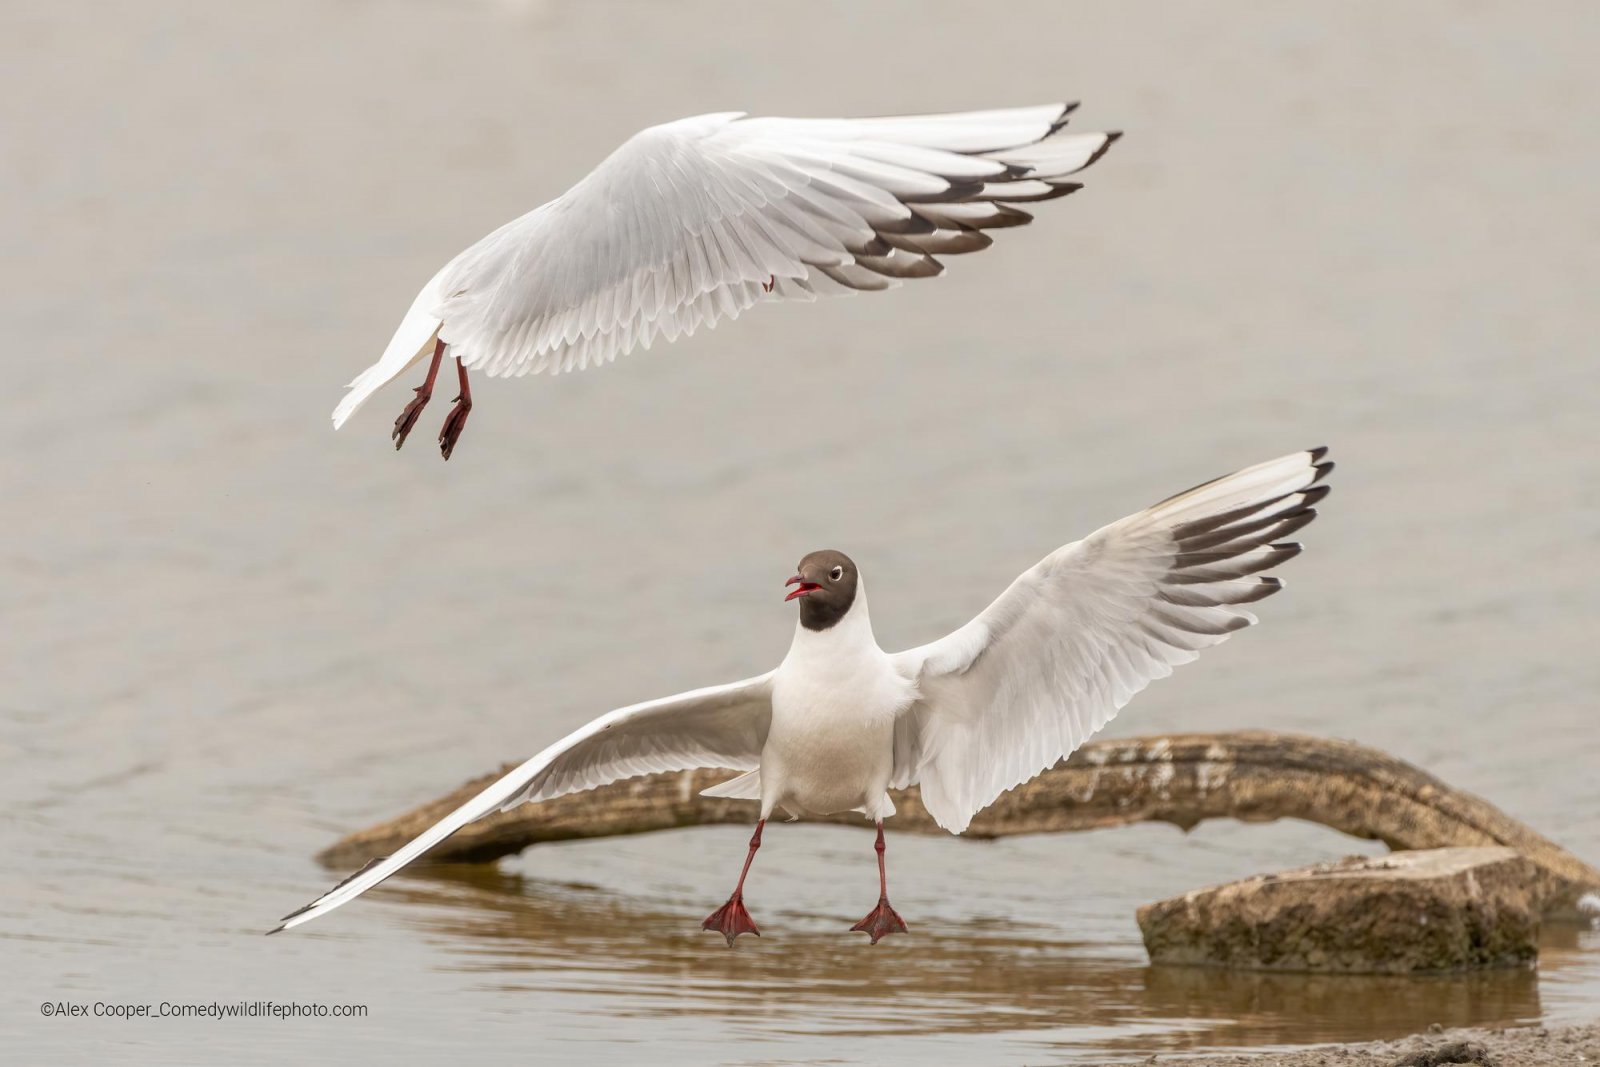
(1061, 119)
(1323, 470)
(365, 867)
(276, 930)
(1317, 453)
(1112, 137)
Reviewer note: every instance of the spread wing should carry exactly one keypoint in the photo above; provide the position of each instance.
(722, 726)
(1076, 636)
(691, 222)
(687, 222)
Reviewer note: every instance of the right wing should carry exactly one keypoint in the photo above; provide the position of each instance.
(722, 726)
(1080, 633)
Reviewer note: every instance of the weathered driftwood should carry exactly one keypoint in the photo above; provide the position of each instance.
(1429, 910)
(1253, 775)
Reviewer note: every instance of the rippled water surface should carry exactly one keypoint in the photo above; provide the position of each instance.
(231, 635)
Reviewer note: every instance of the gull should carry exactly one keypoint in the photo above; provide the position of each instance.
(840, 722)
(697, 220)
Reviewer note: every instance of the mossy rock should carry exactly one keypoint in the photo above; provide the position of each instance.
(1446, 909)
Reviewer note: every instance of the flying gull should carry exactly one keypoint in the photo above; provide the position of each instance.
(694, 221)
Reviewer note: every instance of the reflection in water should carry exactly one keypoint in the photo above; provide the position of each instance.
(977, 977)
(1243, 1008)
(630, 957)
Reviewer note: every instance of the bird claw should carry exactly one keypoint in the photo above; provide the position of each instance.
(408, 417)
(731, 920)
(453, 425)
(881, 922)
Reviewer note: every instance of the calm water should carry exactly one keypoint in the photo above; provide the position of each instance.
(231, 635)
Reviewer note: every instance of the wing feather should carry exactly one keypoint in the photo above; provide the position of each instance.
(1079, 634)
(721, 726)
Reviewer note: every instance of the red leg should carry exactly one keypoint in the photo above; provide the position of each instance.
(731, 919)
(457, 419)
(408, 417)
(882, 920)
(766, 286)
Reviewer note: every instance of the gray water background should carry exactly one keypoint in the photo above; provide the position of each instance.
(231, 635)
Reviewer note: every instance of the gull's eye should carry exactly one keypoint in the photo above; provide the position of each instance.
(835, 574)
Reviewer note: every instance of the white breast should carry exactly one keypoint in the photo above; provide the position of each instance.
(835, 698)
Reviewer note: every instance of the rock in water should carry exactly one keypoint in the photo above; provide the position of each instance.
(1444, 909)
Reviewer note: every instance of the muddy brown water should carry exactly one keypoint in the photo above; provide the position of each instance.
(230, 634)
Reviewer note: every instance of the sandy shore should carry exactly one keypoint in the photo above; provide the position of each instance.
(1533, 1046)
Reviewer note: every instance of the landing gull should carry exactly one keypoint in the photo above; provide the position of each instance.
(697, 220)
(840, 722)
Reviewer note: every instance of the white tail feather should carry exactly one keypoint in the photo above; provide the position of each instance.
(413, 340)
(745, 787)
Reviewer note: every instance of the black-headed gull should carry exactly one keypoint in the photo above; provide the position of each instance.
(696, 220)
(840, 722)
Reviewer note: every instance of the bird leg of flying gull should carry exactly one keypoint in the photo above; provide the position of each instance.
(882, 920)
(731, 919)
(408, 417)
(457, 418)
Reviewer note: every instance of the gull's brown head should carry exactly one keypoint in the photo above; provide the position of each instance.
(825, 584)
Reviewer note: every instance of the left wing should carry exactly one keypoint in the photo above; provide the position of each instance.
(722, 726)
(1076, 636)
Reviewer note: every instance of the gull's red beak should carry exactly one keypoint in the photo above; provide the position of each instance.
(805, 587)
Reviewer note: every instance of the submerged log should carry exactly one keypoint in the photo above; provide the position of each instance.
(1183, 779)
(1435, 910)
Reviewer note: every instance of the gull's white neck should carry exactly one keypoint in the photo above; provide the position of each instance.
(837, 678)
(845, 640)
